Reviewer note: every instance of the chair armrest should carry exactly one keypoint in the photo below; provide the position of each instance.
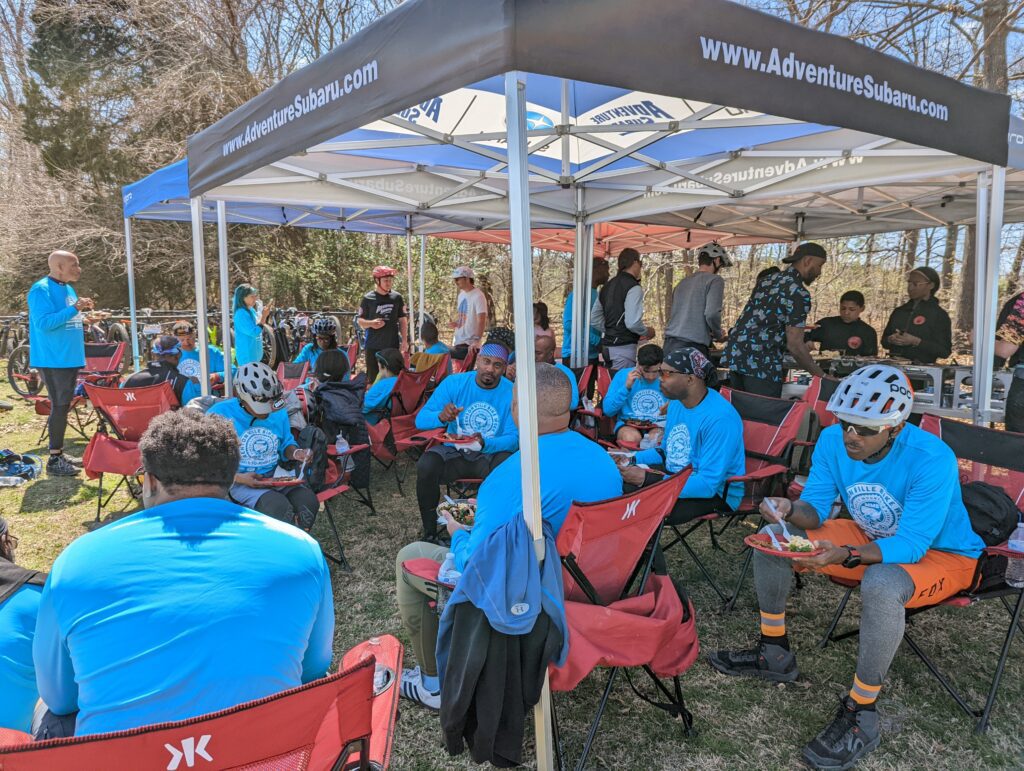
(761, 474)
(332, 450)
(425, 570)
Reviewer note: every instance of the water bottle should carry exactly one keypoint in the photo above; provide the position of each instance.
(341, 446)
(448, 574)
(15, 481)
(1015, 564)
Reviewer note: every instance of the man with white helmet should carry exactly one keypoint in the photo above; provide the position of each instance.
(382, 314)
(265, 439)
(696, 318)
(909, 542)
(470, 313)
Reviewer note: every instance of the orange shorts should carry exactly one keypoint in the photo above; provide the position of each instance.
(937, 576)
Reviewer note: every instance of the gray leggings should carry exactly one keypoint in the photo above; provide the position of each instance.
(884, 591)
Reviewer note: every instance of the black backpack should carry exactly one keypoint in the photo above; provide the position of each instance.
(312, 438)
(993, 514)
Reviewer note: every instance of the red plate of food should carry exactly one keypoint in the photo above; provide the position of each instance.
(642, 425)
(281, 481)
(457, 439)
(800, 548)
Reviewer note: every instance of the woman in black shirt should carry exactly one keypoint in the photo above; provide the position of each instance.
(920, 330)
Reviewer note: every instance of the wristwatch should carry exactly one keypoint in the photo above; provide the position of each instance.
(853, 560)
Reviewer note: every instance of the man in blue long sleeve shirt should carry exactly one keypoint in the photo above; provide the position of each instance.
(477, 404)
(910, 543)
(572, 468)
(194, 605)
(702, 430)
(55, 322)
(635, 395)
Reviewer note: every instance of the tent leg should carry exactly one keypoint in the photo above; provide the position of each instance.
(225, 293)
(199, 261)
(986, 292)
(129, 253)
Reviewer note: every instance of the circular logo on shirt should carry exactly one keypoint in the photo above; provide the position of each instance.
(854, 343)
(874, 509)
(258, 448)
(480, 417)
(677, 448)
(646, 404)
(919, 320)
(189, 367)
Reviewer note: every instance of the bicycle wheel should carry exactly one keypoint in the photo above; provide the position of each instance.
(25, 380)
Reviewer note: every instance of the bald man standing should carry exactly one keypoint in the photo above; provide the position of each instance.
(57, 350)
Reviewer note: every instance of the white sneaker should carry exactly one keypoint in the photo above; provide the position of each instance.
(412, 688)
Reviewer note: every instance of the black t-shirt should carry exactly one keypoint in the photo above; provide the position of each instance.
(156, 373)
(391, 308)
(855, 339)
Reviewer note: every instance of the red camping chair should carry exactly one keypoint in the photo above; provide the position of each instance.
(593, 423)
(336, 483)
(770, 428)
(292, 374)
(337, 722)
(819, 418)
(985, 455)
(125, 414)
(410, 391)
(465, 365)
(390, 438)
(102, 368)
(353, 355)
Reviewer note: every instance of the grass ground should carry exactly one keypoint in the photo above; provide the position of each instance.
(742, 724)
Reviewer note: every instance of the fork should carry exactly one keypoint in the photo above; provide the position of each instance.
(785, 530)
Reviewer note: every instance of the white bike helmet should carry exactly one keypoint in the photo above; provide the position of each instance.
(325, 326)
(257, 385)
(713, 250)
(875, 395)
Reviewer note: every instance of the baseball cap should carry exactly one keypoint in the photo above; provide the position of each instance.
(807, 248)
(463, 271)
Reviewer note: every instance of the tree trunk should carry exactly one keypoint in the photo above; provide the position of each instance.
(949, 256)
(965, 302)
(910, 240)
(869, 252)
(670, 281)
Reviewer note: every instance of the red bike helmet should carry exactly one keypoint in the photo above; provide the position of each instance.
(383, 271)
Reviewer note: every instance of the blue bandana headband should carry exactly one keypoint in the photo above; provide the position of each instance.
(495, 351)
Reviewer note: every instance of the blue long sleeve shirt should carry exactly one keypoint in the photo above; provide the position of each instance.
(572, 468)
(180, 610)
(485, 411)
(18, 691)
(375, 402)
(907, 503)
(641, 402)
(248, 337)
(594, 336)
(189, 363)
(55, 325)
(262, 441)
(710, 438)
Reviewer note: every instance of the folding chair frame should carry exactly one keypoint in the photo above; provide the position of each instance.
(329, 494)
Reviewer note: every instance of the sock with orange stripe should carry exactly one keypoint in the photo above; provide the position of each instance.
(864, 695)
(773, 629)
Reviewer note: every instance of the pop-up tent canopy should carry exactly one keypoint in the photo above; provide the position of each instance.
(507, 114)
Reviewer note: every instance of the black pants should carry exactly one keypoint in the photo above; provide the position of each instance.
(755, 385)
(60, 387)
(578, 372)
(372, 365)
(460, 352)
(675, 343)
(296, 505)
(1015, 406)
(443, 464)
(56, 726)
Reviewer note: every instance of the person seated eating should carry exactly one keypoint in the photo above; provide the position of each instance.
(544, 353)
(635, 396)
(194, 605)
(164, 367)
(20, 591)
(703, 430)
(377, 402)
(909, 542)
(846, 332)
(476, 405)
(573, 468)
(266, 440)
(920, 329)
(325, 338)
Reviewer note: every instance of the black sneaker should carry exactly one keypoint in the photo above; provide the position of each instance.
(76, 462)
(768, 662)
(59, 466)
(848, 738)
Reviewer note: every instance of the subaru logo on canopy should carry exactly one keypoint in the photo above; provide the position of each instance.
(536, 121)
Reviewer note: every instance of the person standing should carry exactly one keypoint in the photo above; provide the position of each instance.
(1009, 339)
(920, 329)
(382, 314)
(696, 318)
(598, 278)
(619, 313)
(471, 315)
(249, 324)
(772, 324)
(57, 350)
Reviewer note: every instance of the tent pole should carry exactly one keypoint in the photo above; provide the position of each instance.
(980, 384)
(986, 332)
(225, 293)
(408, 274)
(423, 279)
(526, 395)
(133, 321)
(199, 263)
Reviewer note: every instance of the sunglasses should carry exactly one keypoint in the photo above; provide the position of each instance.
(861, 430)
